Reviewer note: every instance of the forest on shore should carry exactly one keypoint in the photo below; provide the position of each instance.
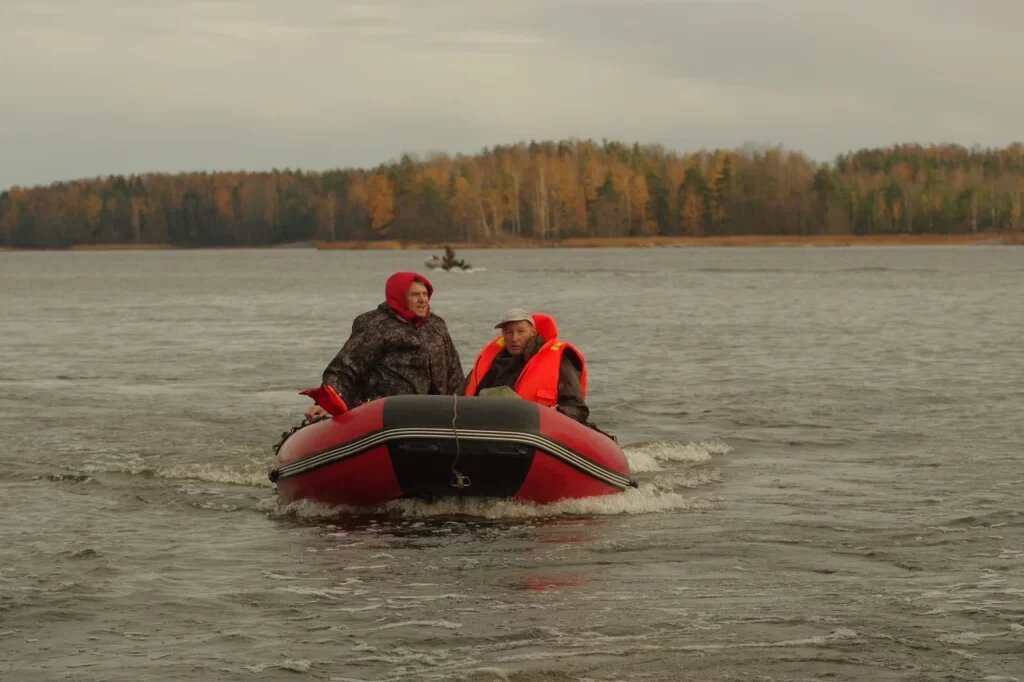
(538, 191)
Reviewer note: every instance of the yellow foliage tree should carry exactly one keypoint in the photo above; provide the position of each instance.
(380, 202)
(138, 216)
(466, 210)
(693, 213)
(641, 195)
(92, 206)
(223, 204)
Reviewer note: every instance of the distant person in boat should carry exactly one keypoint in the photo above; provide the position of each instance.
(449, 261)
(529, 358)
(398, 348)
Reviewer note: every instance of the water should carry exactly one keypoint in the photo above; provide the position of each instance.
(828, 443)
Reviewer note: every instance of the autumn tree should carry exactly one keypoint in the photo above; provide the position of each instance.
(380, 203)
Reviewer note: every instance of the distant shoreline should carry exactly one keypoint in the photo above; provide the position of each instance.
(816, 240)
(820, 240)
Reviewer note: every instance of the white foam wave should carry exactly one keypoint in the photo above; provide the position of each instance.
(493, 672)
(692, 478)
(652, 456)
(119, 464)
(446, 624)
(643, 500)
(287, 664)
(305, 509)
(252, 473)
(348, 588)
(964, 638)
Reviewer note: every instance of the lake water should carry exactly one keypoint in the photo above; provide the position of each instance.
(828, 444)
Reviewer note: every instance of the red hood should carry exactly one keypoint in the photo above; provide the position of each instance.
(397, 287)
(546, 326)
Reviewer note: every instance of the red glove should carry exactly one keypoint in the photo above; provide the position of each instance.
(327, 398)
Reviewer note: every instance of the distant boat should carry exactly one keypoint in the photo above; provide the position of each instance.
(436, 262)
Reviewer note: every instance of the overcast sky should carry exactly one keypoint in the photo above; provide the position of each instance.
(93, 87)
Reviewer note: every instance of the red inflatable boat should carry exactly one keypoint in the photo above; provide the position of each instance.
(446, 446)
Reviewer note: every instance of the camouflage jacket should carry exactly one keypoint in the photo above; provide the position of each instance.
(385, 356)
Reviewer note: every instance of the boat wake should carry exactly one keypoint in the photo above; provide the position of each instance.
(248, 471)
(670, 474)
(671, 477)
(661, 455)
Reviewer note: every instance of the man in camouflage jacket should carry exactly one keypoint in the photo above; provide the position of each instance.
(398, 348)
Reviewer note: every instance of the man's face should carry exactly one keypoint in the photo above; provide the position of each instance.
(516, 335)
(416, 299)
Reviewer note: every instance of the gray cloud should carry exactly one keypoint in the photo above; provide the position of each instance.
(119, 86)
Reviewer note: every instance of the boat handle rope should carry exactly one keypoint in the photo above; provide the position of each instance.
(459, 479)
(285, 435)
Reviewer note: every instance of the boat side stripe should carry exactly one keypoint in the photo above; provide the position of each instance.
(372, 440)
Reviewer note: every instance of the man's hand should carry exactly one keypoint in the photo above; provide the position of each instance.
(315, 412)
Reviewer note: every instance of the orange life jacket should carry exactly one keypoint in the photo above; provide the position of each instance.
(539, 379)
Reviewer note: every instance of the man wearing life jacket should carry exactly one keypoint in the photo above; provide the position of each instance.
(530, 359)
(399, 348)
